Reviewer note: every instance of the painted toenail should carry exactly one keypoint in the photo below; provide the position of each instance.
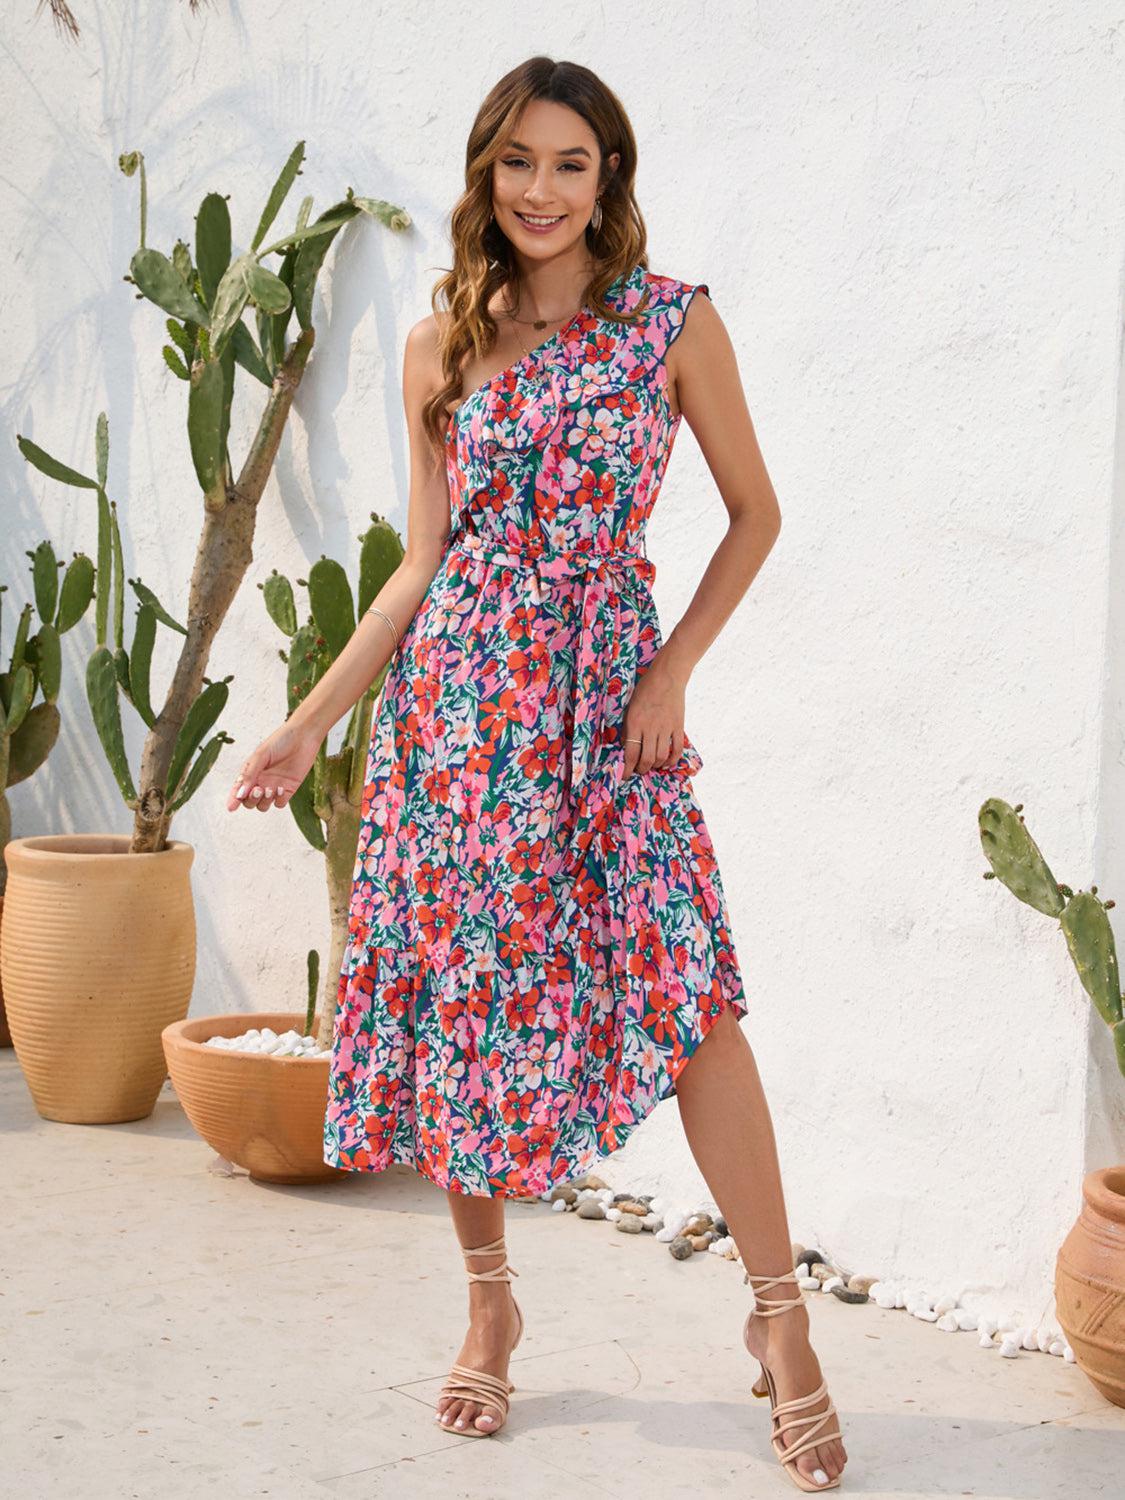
(460, 1421)
(820, 1476)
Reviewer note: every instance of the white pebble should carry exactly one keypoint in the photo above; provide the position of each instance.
(559, 1206)
(948, 1323)
(826, 1286)
(926, 1314)
(900, 1298)
(1057, 1348)
(652, 1222)
(945, 1304)
(966, 1320)
(985, 1341)
(613, 1214)
(885, 1296)
(1031, 1339)
(664, 1235)
(1009, 1349)
(1047, 1336)
(1068, 1354)
(657, 1205)
(808, 1283)
(802, 1268)
(988, 1326)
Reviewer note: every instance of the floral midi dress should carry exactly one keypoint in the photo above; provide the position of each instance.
(537, 942)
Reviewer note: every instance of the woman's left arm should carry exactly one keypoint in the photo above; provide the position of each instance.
(704, 383)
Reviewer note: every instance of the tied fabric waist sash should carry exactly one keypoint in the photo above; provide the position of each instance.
(604, 570)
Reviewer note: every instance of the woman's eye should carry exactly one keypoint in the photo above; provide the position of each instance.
(519, 161)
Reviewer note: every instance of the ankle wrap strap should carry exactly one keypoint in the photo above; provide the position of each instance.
(494, 1273)
(772, 1307)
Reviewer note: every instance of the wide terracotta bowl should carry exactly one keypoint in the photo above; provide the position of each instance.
(263, 1113)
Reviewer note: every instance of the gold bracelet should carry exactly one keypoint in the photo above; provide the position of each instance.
(374, 610)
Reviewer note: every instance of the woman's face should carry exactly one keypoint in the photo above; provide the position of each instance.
(548, 172)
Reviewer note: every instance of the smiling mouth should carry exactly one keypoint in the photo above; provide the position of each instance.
(539, 219)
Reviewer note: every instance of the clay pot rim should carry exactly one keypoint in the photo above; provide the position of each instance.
(41, 847)
(1104, 1191)
(177, 1034)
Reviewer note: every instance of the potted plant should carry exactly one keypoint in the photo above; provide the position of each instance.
(1090, 1265)
(29, 729)
(264, 1108)
(97, 949)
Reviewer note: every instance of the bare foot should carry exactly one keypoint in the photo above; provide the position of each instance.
(796, 1372)
(488, 1344)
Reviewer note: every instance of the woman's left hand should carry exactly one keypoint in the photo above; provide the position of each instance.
(654, 718)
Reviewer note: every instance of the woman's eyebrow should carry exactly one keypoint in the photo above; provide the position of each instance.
(570, 150)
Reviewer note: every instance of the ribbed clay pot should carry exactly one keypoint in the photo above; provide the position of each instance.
(263, 1113)
(1090, 1283)
(97, 957)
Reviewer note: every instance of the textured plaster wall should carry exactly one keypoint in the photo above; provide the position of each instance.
(910, 218)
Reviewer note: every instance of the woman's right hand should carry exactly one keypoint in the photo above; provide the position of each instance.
(274, 771)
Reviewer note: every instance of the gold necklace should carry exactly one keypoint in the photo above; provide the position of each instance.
(539, 323)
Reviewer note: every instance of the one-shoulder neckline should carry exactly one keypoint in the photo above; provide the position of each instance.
(524, 359)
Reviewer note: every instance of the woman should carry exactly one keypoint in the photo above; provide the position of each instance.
(538, 936)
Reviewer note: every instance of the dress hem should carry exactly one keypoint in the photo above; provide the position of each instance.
(396, 1155)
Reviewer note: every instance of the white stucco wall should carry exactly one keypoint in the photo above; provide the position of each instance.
(911, 219)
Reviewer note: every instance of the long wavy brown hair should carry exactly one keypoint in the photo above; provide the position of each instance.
(483, 260)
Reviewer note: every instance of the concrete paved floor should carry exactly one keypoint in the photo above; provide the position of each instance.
(171, 1331)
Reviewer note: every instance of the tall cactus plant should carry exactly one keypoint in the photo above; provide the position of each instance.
(327, 805)
(205, 293)
(1016, 860)
(29, 729)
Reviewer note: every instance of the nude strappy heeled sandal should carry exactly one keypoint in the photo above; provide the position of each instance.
(478, 1385)
(764, 1386)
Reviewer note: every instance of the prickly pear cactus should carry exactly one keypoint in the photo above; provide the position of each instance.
(1016, 860)
(204, 292)
(29, 728)
(326, 806)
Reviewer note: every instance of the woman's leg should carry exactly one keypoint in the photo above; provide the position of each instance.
(492, 1314)
(728, 1127)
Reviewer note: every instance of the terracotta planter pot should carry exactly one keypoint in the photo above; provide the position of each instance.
(1090, 1283)
(5, 1034)
(263, 1113)
(97, 956)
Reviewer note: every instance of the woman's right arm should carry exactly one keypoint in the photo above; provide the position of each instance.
(280, 763)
